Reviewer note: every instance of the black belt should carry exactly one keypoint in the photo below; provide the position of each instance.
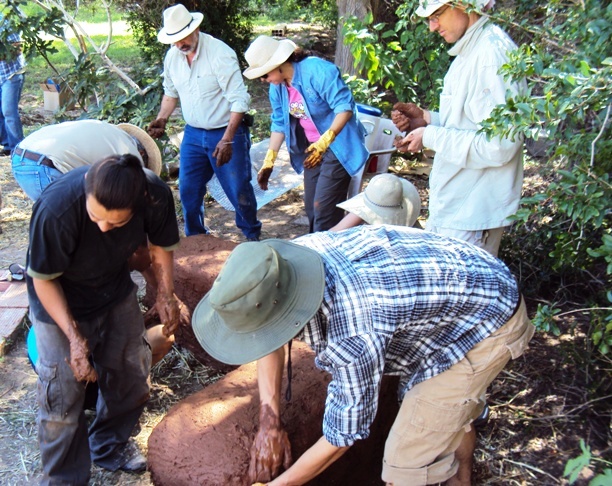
(34, 156)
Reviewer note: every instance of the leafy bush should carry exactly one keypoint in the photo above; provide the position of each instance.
(228, 20)
(315, 11)
(403, 57)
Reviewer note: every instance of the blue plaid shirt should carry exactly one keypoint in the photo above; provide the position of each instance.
(397, 301)
(8, 68)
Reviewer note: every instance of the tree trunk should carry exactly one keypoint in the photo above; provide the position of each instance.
(348, 8)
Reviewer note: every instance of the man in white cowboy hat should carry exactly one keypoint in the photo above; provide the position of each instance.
(48, 153)
(387, 199)
(444, 315)
(84, 308)
(203, 73)
(475, 183)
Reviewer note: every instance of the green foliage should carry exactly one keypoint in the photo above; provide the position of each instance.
(322, 12)
(228, 20)
(576, 465)
(14, 20)
(403, 57)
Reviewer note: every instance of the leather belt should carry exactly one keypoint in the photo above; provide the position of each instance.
(34, 156)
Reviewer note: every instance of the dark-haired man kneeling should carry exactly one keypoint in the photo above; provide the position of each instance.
(84, 309)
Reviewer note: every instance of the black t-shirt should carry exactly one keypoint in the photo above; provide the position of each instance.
(91, 265)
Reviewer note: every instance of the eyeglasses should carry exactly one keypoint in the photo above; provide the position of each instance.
(435, 17)
(264, 76)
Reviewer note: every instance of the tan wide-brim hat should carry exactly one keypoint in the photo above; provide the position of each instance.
(155, 157)
(263, 297)
(178, 24)
(387, 199)
(265, 54)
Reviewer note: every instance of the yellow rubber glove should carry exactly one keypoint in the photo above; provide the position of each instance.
(318, 148)
(266, 169)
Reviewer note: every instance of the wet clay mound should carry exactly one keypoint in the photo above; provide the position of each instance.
(205, 439)
(197, 262)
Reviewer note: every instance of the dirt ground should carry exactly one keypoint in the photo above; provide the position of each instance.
(541, 405)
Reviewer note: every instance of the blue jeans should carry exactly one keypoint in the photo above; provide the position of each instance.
(11, 131)
(197, 167)
(32, 176)
(121, 357)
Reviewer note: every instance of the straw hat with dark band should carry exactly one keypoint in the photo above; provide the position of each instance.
(178, 24)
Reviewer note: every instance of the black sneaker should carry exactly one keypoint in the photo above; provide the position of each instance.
(131, 459)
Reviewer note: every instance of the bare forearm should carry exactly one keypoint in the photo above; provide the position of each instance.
(269, 378)
(168, 104)
(162, 264)
(52, 298)
(276, 140)
(312, 463)
(340, 121)
(232, 126)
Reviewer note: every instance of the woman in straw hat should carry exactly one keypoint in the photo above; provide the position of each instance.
(313, 111)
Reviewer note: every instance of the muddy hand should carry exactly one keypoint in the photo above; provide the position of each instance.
(169, 313)
(401, 121)
(79, 361)
(263, 176)
(409, 110)
(223, 152)
(157, 127)
(271, 449)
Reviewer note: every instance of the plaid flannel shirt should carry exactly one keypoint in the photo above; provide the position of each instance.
(9, 68)
(397, 301)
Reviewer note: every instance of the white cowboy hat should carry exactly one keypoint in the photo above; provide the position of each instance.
(155, 158)
(178, 24)
(264, 295)
(265, 54)
(387, 199)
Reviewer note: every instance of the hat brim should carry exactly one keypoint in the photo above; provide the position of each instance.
(285, 49)
(430, 7)
(155, 158)
(308, 285)
(372, 214)
(165, 38)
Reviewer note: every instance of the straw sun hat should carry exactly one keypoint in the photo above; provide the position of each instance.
(265, 54)
(178, 24)
(265, 294)
(387, 199)
(151, 148)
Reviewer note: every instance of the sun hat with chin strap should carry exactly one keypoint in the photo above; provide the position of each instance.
(178, 24)
(264, 295)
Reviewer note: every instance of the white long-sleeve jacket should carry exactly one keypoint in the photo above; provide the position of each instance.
(475, 183)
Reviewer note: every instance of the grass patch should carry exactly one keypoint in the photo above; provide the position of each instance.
(86, 13)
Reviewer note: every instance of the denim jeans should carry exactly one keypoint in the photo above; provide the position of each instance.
(32, 176)
(122, 359)
(11, 131)
(197, 167)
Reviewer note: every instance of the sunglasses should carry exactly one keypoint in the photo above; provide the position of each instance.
(265, 76)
